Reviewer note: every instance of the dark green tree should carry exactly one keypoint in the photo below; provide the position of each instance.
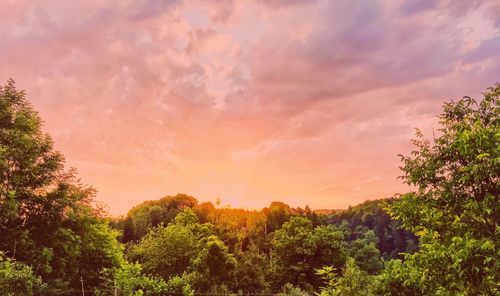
(365, 253)
(29, 168)
(371, 215)
(277, 214)
(152, 213)
(250, 272)
(47, 220)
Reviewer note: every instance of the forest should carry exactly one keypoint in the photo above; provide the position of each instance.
(440, 238)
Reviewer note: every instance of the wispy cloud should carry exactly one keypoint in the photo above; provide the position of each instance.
(250, 101)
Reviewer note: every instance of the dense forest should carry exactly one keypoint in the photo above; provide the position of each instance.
(442, 238)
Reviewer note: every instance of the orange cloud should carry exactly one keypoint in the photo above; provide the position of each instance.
(307, 102)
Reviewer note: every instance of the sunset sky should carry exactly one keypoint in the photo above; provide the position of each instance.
(306, 102)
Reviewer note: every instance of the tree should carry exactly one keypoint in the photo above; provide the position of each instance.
(277, 214)
(298, 250)
(47, 220)
(154, 212)
(28, 166)
(187, 250)
(455, 209)
(365, 253)
(128, 279)
(352, 281)
(214, 265)
(250, 271)
(206, 212)
(167, 251)
(17, 278)
(290, 290)
(391, 240)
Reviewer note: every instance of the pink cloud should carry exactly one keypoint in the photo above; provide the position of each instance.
(250, 101)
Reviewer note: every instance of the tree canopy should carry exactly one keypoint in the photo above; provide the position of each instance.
(455, 210)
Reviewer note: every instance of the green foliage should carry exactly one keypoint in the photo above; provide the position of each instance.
(129, 280)
(250, 271)
(17, 278)
(53, 238)
(214, 264)
(180, 285)
(27, 159)
(392, 281)
(365, 252)
(290, 290)
(47, 220)
(150, 214)
(185, 247)
(391, 240)
(165, 251)
(298, 250)
(352, 281)
(455, 210)
(277, 214)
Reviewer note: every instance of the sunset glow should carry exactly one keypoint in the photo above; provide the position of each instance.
(306, 102)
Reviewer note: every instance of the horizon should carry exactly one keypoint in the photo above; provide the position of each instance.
(221, 205)
(305, 102)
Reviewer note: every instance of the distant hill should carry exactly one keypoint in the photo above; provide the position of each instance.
(370, 215)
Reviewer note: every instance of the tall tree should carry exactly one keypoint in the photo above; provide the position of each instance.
(29, 167)
(46, 217)
(455, 209)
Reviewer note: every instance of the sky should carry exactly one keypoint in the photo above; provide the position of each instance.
(308, 102)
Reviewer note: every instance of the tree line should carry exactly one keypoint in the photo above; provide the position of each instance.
(440, 239)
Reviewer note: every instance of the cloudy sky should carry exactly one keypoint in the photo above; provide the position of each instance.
(307, 102)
